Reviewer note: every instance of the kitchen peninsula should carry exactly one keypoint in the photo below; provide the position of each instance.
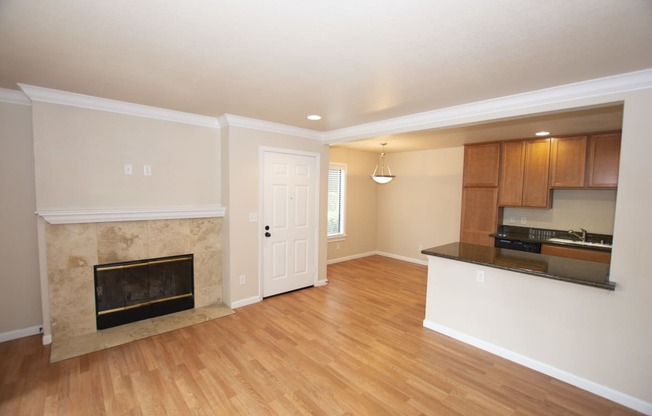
(582, 272)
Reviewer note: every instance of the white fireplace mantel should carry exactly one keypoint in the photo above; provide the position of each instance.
(129, 214)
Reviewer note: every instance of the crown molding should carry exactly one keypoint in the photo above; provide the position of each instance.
(13, 97)
(268, 126)
(484, 109)
(47, 95)
(112, 215)
(444, 117)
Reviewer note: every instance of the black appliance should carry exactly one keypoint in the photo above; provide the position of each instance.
(528, 246)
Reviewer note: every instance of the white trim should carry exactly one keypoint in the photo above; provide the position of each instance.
(480, 110)
(378, 253)
(473, 112)
(13, 97)
(20, 333)
(353, 257)
(244, 302)
(403, 258)
(588, 385)
(47, 339)
(129, 214)
(321, 282)
(46, 95)
(268, 126)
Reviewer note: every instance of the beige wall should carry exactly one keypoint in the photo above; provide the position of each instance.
(80, 154)
(361, 202)
(593, 210)
(597, 335)
(242, 193)
(422, 206)
(20, 294)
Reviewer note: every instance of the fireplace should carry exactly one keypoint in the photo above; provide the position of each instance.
(136, 290)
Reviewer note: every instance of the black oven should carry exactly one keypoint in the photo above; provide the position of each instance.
(528, 246)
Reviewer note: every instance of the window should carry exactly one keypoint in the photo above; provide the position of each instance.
(336, 199)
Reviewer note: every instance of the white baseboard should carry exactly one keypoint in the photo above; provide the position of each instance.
(20, 333)
(47, 339)
(588, 385)
(322, 282)
(353, 257)
(423, 262)
(244, 302)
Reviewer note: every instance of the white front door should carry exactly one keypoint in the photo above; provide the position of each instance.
(289, 224)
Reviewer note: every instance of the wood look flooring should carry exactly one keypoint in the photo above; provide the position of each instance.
(353, 347)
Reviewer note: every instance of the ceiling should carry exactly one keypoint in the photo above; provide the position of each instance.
(352, 62)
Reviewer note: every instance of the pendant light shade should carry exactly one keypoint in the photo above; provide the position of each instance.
(382, 173)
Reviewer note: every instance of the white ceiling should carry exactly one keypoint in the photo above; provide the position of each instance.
(353, 62)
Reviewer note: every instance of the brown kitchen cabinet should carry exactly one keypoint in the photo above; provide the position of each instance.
(604, 159)
(481, 163)
(479, 215)
(524, 172)
(568, 162)
(576, 253)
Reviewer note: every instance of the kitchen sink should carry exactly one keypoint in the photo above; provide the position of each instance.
(578, 243)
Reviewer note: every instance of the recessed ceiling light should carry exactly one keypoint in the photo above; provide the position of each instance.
(314, 117)
(542, 133)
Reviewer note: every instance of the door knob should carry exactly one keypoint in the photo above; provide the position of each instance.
(267, 234)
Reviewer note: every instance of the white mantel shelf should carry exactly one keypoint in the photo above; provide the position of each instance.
(133, 214)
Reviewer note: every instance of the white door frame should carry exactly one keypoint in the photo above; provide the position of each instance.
(261, 182)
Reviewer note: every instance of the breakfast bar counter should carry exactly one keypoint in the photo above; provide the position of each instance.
(582, 272)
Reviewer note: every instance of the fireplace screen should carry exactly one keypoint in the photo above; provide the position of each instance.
(136, 290)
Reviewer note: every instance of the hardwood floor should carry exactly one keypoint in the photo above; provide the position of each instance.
(353, 347)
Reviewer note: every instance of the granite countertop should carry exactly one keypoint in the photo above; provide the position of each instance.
(582, 272)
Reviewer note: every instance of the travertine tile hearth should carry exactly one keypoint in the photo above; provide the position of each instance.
(112, 337)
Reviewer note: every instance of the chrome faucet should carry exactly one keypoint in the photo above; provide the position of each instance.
(581, 236)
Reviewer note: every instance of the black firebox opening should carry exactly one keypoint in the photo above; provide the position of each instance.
(136, 290)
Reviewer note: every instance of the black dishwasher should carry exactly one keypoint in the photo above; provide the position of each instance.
(528, 246)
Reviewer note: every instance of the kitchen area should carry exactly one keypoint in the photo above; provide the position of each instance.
(509, 191)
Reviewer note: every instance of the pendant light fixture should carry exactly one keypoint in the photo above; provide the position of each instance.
(382, 173)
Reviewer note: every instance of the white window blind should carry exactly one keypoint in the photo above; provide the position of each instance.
(336, 196)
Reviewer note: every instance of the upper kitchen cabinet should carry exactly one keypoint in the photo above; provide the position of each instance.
(524, 173)
(604, 158)
(568, 162)
(585, 161)
(481, 164)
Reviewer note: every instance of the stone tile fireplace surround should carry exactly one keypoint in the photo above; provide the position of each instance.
(73, 249)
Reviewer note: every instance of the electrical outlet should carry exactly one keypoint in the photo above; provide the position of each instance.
(128, 169)
(479, 276)
(523, 220)
(253, 217)
(243, 279)
(147, 170)
(512, 220)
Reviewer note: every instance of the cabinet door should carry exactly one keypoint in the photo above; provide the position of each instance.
(481, 164)
(576, 253)
(568, 162)
(512, 157)
(604, 158)
(536, 189)
(479, 215)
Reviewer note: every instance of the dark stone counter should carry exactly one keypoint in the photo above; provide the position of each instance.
(582, 272)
